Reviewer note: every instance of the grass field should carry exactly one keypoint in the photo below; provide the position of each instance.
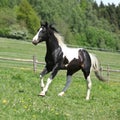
(19, 87)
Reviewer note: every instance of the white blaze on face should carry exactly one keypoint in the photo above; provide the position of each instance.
(35, 38)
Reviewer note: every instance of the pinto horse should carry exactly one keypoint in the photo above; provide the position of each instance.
(60, 57)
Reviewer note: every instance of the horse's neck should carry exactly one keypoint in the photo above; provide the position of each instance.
(51, 45)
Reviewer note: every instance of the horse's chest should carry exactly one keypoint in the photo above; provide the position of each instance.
(54, 56)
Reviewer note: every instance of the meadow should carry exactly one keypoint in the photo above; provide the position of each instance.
(19, 88)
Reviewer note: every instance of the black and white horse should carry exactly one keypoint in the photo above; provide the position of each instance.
(59, 56)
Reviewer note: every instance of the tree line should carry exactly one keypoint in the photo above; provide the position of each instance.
(81, 22)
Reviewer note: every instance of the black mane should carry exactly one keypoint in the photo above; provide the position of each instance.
(53, 28)
(45, 24)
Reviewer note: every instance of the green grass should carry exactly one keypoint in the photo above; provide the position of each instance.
(19, 100)
(19, 87)
(20, 49)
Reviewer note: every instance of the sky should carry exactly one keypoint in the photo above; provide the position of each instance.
(116, 2)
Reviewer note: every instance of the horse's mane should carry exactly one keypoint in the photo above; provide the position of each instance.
(53, 28)
(59, 37)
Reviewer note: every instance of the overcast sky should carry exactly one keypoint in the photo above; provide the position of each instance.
(116, 2)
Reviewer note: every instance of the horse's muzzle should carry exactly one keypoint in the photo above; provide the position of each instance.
(34, 42)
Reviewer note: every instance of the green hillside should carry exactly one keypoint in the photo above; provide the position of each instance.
(20, 49)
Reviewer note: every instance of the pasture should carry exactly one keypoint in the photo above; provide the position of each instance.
(19, 87)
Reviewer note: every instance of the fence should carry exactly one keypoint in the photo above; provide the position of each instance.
(34, 61)
(108, 71)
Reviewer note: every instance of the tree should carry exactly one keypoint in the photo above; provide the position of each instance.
(9, 3)
(118, 15)
(27, 16)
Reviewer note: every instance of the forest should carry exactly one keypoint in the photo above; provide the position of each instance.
(81, 22)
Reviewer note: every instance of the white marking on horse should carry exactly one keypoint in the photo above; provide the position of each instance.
(89, 85)
(49, 80)
(70, 53)
(35, 39)
(42, 82)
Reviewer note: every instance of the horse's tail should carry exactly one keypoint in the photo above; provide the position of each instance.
(95, 67)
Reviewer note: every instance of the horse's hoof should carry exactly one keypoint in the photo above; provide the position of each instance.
(61, 94)
(87, 98)
(42, 94)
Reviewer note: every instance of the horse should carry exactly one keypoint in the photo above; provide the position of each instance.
(61, 57)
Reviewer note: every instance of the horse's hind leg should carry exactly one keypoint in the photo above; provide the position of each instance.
(89, 84)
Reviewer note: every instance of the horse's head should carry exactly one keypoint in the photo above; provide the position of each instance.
(42, 34)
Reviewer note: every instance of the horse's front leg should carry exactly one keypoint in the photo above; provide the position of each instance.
(49, 80)
(42, 74)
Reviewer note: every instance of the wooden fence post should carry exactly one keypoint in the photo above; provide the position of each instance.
(101, 69)
(108, 73)
(34, 63)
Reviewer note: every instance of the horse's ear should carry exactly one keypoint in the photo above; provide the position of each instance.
(46, 24)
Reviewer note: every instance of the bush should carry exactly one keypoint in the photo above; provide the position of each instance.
(101, 38)
(15, 32)
(4, 32)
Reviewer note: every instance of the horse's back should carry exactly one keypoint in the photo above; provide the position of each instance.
(70, 53)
